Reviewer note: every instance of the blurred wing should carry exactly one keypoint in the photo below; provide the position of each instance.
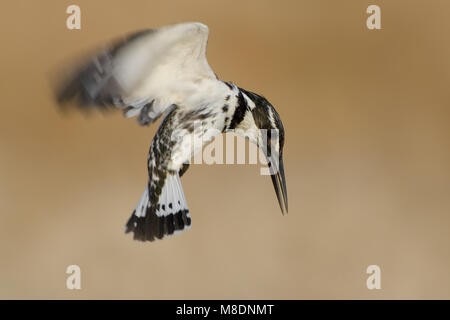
(145, 74)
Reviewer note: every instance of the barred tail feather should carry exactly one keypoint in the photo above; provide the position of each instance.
(157, 221)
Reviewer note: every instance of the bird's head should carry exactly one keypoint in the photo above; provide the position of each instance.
(264, 127)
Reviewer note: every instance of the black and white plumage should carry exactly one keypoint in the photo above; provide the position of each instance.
(165, 71)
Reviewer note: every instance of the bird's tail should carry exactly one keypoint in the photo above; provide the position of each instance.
(169, 216)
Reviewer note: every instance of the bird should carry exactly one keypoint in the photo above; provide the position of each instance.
(164, 73)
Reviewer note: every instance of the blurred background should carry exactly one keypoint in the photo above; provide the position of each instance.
(367, 157)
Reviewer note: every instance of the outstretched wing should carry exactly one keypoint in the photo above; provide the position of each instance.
(145, 73)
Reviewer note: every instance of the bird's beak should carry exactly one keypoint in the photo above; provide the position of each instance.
(279, 182)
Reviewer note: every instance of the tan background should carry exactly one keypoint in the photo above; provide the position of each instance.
(367, 157)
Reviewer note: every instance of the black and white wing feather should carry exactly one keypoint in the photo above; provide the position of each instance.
(145, 73)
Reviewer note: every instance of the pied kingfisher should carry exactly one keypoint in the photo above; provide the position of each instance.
(165, 71)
